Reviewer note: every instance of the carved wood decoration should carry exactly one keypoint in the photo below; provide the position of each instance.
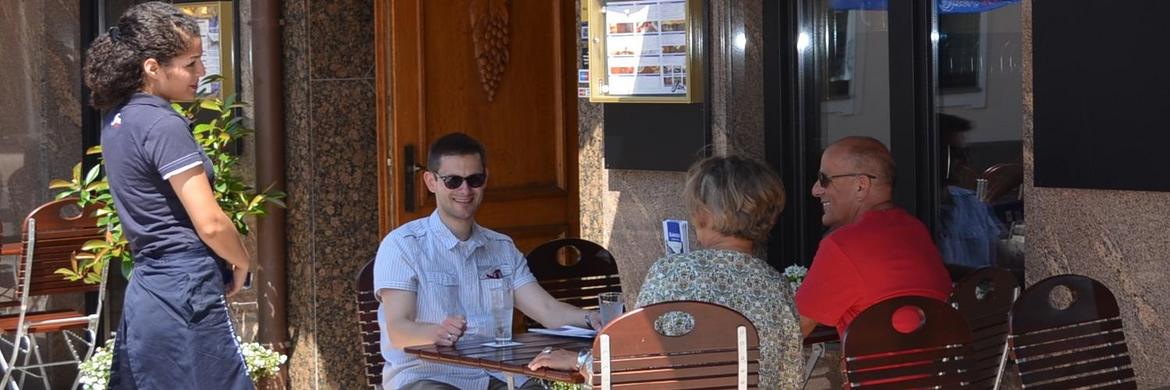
(489, 32)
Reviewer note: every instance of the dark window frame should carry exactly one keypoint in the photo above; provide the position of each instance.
(791, 120)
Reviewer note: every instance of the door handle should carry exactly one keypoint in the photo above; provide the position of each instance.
(410, 170)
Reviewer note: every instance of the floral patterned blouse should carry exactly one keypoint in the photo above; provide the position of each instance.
(741, 282)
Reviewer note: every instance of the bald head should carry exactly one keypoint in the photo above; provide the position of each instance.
(865, 154)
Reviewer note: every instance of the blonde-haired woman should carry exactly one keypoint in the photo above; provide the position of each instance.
(733, 202)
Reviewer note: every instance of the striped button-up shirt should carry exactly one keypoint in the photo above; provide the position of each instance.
(448, 276)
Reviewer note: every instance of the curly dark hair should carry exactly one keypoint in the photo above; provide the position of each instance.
(113, 64)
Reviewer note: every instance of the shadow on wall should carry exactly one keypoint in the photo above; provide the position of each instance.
(645, 199)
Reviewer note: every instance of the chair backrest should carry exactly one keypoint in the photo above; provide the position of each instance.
(1079, 346)
(50, 236)
(877, 356)
(722, 350)
(367, 316)
(984, 298)
(578, 283)
(1002, 179)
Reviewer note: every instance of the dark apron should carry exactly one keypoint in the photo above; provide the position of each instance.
(175, 331)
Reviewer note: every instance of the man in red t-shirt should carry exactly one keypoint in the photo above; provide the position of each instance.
(875, 250)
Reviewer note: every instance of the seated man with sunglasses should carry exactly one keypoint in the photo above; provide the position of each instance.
(433, 277)
(874, 250)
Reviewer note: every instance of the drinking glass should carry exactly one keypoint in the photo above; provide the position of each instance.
(611, 306)
(452, 305)
(501, 300)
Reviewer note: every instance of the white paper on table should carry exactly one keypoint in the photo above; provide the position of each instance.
(567, 331)
(495, 344)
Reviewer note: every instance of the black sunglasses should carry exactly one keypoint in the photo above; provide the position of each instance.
(454, 181)
(824, 180)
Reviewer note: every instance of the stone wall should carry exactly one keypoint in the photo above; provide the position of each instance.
(1116, 237)
(332, 184)
(623, 209)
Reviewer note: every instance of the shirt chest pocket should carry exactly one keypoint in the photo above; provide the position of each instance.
(492, 277)
(439, 297)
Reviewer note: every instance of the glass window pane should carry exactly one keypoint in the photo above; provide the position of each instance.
(40, 132)
(851, 54)
(980, 131)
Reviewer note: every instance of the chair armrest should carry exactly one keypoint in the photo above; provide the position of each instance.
(10, 249)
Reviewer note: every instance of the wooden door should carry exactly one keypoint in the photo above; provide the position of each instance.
(508, 80)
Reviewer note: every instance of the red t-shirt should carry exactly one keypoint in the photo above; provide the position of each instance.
(886, 254)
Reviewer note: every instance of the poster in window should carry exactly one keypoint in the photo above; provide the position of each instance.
(648, 51)
(215, 22)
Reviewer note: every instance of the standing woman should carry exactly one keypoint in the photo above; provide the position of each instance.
(175, 332)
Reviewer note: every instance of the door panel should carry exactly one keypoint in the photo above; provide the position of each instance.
(432, 82)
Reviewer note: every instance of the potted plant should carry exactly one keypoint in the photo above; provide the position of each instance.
(217, 135)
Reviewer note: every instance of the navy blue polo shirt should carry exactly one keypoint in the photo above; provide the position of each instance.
(144, 143)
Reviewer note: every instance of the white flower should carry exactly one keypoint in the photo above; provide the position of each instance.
(262, 363)
(95, 371)
(795, 274)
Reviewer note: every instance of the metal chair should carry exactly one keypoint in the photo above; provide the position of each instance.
(367, 316)
(722, 350)
(1078, 346)
(984, 298)
(576, 283)
(934, 355)
(820, 340)
(50, 240)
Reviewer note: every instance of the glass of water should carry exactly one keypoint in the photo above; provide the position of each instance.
(501, 300)
(611, 306)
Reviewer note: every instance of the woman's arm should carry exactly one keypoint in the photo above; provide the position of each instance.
(548, 311)
(211, 224)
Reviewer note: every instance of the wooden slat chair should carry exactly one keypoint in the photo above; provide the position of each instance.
(722, 350)
(1080, 346)
(50, 239)
(367, 316)
(877, 356)
(1002, 179)
(985, 299)
(578, 283)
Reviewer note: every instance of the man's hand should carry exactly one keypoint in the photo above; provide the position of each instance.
(594, 320)
(238, 278)
(448, 332)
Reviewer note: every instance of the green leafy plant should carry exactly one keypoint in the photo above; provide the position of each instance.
(217, 136)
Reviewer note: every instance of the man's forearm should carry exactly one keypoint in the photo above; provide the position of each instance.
(405, 333)
(807, 325)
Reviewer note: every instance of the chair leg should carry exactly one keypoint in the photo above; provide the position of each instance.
(36, 352)
(90, 343)
(7, 367)
(24, 363)
(814, 356)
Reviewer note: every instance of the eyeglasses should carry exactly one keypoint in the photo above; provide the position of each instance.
(824, 180)
(454, 181)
